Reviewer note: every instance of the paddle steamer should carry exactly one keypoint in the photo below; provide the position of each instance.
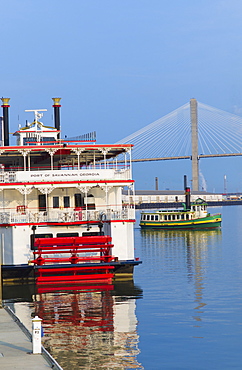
(58, 191)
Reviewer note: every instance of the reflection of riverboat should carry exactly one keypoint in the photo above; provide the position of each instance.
(56, 193)
(89, 327)
(193, 216)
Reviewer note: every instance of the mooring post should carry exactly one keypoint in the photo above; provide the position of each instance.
(36, 335)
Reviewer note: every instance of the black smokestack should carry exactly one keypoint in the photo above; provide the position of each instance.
(187, 194)
(5, 107)
(188, 199)
(156, 184)
(185, 182)
(56, 107)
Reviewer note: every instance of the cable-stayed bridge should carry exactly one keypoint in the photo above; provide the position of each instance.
(193, 131)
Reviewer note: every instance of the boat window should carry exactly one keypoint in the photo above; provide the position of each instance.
(165, 217)
(182, 216)
(187, 216)
(30, 141)
(148, 217)
(178, 217)
(173, 217)
(144, 217)
(65, 235)
(92, 233)
(152, 217)
(66, 200)
(169, 217)
(34, 236)
(79, 201)
(156, 218)
(42, 202)
(56, 202)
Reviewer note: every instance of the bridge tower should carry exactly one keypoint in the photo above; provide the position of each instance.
(194, 137)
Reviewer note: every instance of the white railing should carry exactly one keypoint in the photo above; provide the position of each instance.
(8, 176)
(63, 175)
(28, 216)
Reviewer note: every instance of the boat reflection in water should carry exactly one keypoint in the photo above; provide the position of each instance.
(89, 327)
(183, 250)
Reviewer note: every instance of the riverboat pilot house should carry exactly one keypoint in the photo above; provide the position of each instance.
(55, 188)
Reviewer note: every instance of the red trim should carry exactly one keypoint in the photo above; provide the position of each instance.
(67, 182)
(5, 106)
(33, 130)
(56, 105)
(112, 221)
(63, 223)
(42, 147)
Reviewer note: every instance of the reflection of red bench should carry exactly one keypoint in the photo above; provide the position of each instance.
(22, 209)
(91, 251)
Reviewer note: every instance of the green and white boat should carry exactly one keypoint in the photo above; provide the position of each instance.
(193, 216)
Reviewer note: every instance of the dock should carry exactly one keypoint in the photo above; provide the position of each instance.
(16, 346)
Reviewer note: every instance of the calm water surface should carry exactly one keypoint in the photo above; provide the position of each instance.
(182, 311)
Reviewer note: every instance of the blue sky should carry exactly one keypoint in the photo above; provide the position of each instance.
(120, 65)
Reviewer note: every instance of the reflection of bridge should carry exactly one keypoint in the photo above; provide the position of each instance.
(184, 133)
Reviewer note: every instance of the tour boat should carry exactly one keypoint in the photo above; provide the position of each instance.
(61, 202)
(193, 216)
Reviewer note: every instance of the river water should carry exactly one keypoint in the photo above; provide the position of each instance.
(183, 310)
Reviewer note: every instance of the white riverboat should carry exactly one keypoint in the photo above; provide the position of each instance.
(52, 188)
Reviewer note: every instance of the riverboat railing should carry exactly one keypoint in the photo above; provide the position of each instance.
(67, 174)
(65, 216)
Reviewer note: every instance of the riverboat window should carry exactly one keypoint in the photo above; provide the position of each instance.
(48, 140)
(148, 217)
(187, 216)
(56, 203)
(66, 202)
(169, 217)
(35, 236)
(178, 217)
(30, 141)
(66, 235)
(156, 218)
(165, 217)
(42, 202)
(173, 217)
(152, 217)
(92, 233)
(182, 216)
(79, 201)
